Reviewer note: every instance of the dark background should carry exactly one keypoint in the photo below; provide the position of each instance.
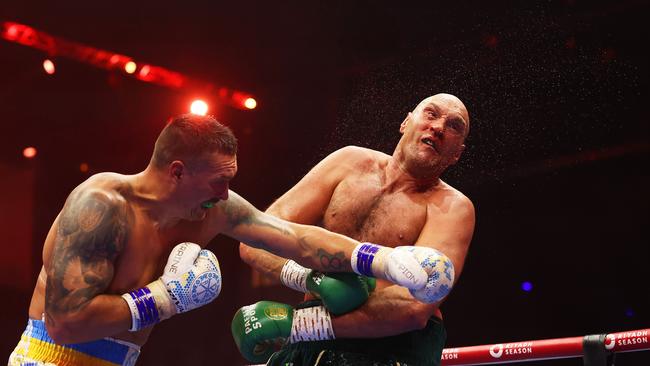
(556, 161)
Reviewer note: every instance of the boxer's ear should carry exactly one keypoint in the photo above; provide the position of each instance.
(404, 123)
(457, 155)
(177, 169)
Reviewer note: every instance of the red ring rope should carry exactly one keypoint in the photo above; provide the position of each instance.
(498, 353)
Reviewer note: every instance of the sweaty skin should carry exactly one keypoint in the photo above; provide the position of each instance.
(390, 200)
(115, 232)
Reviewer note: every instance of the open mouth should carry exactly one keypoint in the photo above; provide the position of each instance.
(428, 141)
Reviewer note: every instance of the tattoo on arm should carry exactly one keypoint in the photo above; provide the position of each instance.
(92, 230)
(239, 212)
(331, 262)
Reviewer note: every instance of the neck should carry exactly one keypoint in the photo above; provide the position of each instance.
(399, 177)
(154, 197)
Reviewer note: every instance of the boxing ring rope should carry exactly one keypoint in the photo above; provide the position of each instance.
(594, 349)
(591, 347)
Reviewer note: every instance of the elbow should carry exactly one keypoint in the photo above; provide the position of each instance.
(60, 330)
(418, 317)
(60, 336)
(69, 328)
(245, 253)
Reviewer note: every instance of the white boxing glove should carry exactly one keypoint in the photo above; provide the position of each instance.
(191, 279)
(440, 270)
(398, 266)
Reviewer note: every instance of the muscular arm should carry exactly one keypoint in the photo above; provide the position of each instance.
(448, 229)
(450, 233)
(305, 203)
(92, 230)
(311, 246)
(266, 264)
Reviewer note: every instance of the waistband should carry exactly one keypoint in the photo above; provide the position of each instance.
(36, 345)
(418, 347)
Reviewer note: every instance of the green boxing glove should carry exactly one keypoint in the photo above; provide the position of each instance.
(340, 292)
(263, 328)
(371, 282)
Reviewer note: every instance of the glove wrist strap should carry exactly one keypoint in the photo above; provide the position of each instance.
(149, 305)
(368, 260)
(311, 324)
(142, 305)
(294, 276)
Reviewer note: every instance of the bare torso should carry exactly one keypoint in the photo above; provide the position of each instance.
(360, 208)
(144, 255)
(364, 207)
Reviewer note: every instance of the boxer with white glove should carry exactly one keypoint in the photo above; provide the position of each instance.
(260, 329)
(367, 259)
(441, 273)
(393, 199)
(399, 266)
(191, 279)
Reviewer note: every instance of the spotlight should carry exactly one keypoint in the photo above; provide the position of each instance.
(144, 71)
(29, 152)
(250, 103)
(199, 107)
(12, 31)
(48, 66)
(527, 286)
(130, 67)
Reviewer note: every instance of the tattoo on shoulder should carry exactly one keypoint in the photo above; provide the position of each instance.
(92, 230)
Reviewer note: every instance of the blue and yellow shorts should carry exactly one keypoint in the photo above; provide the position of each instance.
(36, 348)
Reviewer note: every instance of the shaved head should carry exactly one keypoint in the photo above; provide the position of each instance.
(450, 101)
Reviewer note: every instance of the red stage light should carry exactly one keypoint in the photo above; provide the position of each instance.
(130, 67)
(144, 71)
(242, 100)
(12, 31)
(48, 66)
(250, 103)
(29, 152)
(103, 59)
(199, 107)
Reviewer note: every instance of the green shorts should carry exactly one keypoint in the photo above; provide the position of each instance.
(422, 347)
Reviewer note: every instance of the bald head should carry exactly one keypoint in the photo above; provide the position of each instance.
(448, 101)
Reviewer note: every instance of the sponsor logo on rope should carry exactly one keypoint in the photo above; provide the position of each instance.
(450, 354)
(519, 348)
(626, 339)
(496, 350)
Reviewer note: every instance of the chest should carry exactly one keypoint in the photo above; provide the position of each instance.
(147, 250)
(360, 209)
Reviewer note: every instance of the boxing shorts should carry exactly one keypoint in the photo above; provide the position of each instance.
(36, 348)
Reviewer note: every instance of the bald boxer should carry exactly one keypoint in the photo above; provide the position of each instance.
(392, 200)
(125, 252)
